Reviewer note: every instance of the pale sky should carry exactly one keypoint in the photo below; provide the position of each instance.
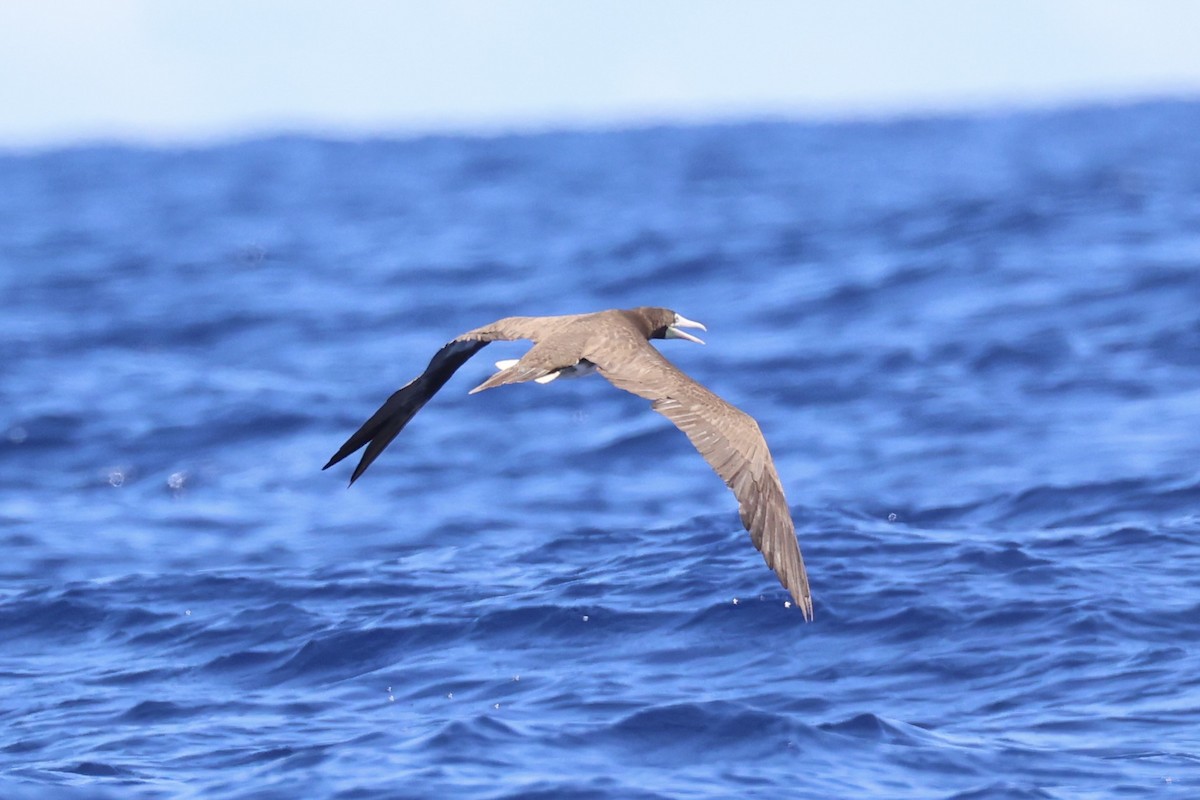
(192, 70)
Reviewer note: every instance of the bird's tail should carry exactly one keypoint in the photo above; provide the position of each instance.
(517, 371)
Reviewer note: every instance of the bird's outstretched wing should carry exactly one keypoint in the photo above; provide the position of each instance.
(733, 445)
(384, 425)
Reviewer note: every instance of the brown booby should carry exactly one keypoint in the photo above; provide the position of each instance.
(616, 344)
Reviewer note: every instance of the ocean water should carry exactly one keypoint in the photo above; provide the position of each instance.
(973, 344)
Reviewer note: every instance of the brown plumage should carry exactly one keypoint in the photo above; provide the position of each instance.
(616, 344)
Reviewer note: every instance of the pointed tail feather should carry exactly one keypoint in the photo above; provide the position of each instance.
(384, 425)
(514, 374)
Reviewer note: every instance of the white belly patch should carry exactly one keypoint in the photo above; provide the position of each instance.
(577, 370)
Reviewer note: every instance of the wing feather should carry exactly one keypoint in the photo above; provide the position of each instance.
(385, 424)
(730, 441)
(535, 329)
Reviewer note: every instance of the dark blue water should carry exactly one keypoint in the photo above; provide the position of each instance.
(973, 344)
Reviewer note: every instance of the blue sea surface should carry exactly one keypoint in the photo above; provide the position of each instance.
(973, 344)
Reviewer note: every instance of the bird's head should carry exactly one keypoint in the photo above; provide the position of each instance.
(663, 323)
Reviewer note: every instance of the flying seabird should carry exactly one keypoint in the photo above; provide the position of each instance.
(616, 344)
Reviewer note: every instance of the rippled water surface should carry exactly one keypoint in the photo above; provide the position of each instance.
(973, 344)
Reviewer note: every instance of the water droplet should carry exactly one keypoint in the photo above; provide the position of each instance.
(516, 677)
(891, 517)
(787, 603)
(116, 477)
(391, 699)
(450, 695)
(496, 706)
(177, 480)
(17, 434)
(187, 613)
(585, 617)
(735, 601)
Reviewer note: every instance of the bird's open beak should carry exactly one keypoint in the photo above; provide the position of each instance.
(681, 321)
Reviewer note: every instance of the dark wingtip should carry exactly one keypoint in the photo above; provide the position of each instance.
(804, 602)
(378, 431)
(360, 437)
